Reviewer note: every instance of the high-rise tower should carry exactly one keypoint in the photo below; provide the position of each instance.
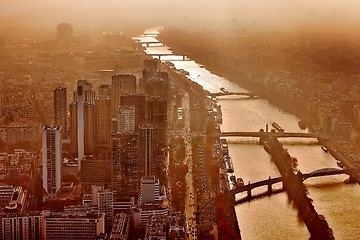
(126, 118)
(138, 101)
(125, 166)
(60, 109)
(121, 84)
(148, 149)
(83, 103)
(157, 114)
(52, 160)
(103, 121)
(64, 32)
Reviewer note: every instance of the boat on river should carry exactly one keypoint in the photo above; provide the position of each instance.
(302, 125)
(277, 127)
(324, 149)
(240, 182)
(340, 164)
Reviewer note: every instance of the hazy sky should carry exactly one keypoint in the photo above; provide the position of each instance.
(148, 12)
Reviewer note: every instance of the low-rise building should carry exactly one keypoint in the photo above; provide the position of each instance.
(120, 229)
(21, 226)
(73, 225)
(156, 228)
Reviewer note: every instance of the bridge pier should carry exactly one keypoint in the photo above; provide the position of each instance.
(249, 193)
(269, 186)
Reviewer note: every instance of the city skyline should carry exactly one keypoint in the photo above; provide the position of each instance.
(179, 120)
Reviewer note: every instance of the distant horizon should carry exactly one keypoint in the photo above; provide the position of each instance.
(317, 15)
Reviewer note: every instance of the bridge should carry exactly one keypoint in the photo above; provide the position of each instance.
(227, 93)
(147, 44)
(269, 182)
(263, 134)
(159, 55)
(346, 161)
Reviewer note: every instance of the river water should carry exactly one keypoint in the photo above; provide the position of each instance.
(274, 217)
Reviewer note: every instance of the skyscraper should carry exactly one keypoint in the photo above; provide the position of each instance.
(149, 72)
(89, 128)
(157, 114)
(83, 103)
(73, 128)
(126, 118)
(60, 109)
(105, 90)
(103, 121)
(158, 85)
(138, 101)
(148, 149)
(52, 160)
(121, 84)
(64, 32)
(125, 166)
(151, 64)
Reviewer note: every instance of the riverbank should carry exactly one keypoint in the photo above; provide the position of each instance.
(308, 110)
(293, 183)
(204, 168)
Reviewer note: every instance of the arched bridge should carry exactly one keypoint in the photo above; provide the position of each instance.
(269, 182)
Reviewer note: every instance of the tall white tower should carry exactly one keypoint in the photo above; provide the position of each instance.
(83, 95)
(52, 160)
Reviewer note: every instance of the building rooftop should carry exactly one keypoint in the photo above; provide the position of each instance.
(52, 127)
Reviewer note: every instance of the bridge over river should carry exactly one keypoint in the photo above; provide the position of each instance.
(269, 182)
(266, 134)
(227, 93)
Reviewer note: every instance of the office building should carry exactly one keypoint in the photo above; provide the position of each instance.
(151, 64)
(25, 226)
(64, 32)
(89, 128)
(158, 85)
(120, 229)
(105, 205)
(148, 149)
(52, 160)
(80, 226)
(103, 121)
(148, 210)
(82, 119)
(60, 110)
(156, 227)
(95, 171)
(157, 114)
(138, 101)
(6, 192)
(73, 128)
(125, 166)
(105, 90)
(150, 190)
(121, 84)
(126, 118)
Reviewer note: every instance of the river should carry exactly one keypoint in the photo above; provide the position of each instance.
(274, 217)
